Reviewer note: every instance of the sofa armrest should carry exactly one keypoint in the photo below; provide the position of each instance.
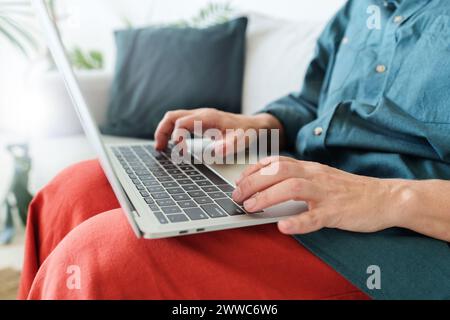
(60, 115)
(95, 87)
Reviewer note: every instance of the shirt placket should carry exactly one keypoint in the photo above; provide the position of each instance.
(400, 16)
(383, 64)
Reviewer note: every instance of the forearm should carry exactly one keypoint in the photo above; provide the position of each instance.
(422, 206)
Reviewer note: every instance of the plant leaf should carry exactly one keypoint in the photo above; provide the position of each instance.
(13, 41)
(86, 61)
(96, 58)
(30, 39)
(79, 61)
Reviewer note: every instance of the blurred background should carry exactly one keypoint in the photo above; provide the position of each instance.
(39, 131)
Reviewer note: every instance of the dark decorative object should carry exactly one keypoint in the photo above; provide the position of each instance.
(18, 197)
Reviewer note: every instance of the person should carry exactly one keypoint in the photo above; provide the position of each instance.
(369, 132)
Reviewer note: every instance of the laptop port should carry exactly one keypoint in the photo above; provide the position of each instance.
(183, 232)
(200, 230)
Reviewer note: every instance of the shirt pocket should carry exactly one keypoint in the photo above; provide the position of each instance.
(421, 85)
(343, 66)
(350, 51)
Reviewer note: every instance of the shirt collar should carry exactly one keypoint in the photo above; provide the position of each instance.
(395, 3)
(405, 7)
(398, 3)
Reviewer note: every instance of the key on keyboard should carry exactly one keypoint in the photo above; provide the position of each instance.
(171, 210)
(187, 204)
(191, 187)
(230, 207)
(165, 202)
(213, 210)
(204, 200)
(196, 214)
(177, 218)
(175, 190)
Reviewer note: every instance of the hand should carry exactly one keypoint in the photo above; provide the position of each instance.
(336, 199)
(174, 121)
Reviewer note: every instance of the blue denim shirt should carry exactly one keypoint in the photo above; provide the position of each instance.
(376, 102)
(376, 97)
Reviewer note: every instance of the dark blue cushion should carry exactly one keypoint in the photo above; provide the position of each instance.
(161, 69)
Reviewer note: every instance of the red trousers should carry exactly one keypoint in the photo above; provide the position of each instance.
(80, 246)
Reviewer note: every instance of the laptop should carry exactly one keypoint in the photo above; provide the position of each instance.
(161, 198)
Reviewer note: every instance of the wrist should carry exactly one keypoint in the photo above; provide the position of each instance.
(404, 202)
(266, 121)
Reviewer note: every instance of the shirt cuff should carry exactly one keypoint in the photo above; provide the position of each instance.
(291, 116)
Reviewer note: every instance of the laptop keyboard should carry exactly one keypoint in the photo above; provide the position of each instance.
(177, 193)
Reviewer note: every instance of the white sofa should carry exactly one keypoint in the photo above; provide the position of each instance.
(278, 53)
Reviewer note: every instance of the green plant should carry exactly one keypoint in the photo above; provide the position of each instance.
(15, 18)
(90, 60)
(15, 26)
(213, 13)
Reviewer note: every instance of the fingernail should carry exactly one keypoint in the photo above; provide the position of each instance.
(237, 194)
(250, 203)
(286, 225)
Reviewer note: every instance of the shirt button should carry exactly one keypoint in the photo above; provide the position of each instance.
(345, 40)
(398, 19)
(318, 131)
(381, 68)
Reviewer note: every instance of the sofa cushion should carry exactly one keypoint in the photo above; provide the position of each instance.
(161, 69)
(278, 54)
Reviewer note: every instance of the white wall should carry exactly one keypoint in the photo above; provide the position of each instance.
(91, 22)
(13, 71)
